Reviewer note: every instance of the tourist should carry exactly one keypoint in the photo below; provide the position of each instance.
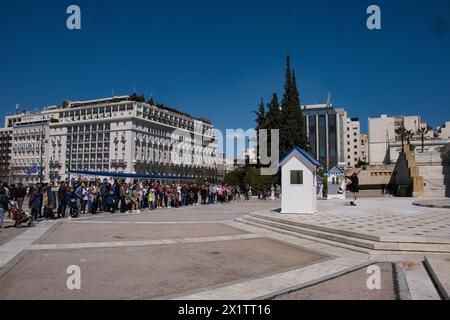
(151, 199)
(3, 205)
(34, 203)
(62, 203)
(21, 193)
(353, 186)
(133, 193)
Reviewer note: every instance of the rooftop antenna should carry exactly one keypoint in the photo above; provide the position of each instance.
(17, 108)
(329, 100)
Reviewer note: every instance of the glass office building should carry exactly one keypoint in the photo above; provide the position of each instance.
(327, 130)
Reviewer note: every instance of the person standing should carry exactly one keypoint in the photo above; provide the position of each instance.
(34, 203)
(3, 205)
(116, 194)
(123, 197)
(62, 200)
(353, 187)
(51, 194)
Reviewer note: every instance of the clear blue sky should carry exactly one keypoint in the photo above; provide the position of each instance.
(216, 59)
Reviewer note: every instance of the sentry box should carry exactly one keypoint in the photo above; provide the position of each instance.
(298, 182)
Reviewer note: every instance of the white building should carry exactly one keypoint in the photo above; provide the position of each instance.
(112, 137)
(335, 177)
(444, 131)
(364, 148)
(29, 146)
(382, 132)
(352, 153)
(299, 182)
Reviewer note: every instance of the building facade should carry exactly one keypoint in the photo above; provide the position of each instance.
(444, 131)
(383, 132)
(30, 147)
(352, 149)
(5, 153)
(333, 137)
(111, 136)
(364, 148)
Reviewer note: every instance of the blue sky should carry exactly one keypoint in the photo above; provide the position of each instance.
(216, 59)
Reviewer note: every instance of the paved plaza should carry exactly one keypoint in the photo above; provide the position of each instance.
(243, 250)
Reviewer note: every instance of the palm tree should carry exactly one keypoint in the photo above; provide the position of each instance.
(403, 133)
(423, 131)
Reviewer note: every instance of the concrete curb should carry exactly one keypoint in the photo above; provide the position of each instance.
(401, 285)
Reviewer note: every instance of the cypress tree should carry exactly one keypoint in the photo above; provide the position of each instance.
(273, 118)
(261, 123)
(293, 128)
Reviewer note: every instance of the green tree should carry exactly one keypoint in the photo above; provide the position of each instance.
(273, 118)
(260, 124)
(257, 181)
(293, 130)
(235, 177)
(151, 101)
(403, 133)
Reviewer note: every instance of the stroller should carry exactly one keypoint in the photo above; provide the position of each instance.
(73, 207)
(20, 217)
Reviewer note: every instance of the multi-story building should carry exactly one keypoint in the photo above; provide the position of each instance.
(110, 137)
(29, 146)
(383, 132)
(120, 136)
(333, 137)
(352, 149)
(5, 152)
(444, 131)
(364, 148)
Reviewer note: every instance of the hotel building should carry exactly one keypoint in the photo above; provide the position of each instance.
(111, 137)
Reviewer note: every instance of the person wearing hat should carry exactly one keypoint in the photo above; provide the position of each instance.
(353, 186)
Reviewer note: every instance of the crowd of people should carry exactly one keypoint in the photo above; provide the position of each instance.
(46, 201)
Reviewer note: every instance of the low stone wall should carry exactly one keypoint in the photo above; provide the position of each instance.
(376, 175)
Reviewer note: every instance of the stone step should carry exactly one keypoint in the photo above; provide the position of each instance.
(369, 244)
(354, 234)
(372, 244)
(439, 268)
(435, 193)
(420, 285)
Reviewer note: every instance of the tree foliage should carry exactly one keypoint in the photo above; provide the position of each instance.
(287, 116)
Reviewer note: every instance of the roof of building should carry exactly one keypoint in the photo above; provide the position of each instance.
(335, 170)
(305, 154)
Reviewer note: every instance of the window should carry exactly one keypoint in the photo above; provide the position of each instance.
(296, 176)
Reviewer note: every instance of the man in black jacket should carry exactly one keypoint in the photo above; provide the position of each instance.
(62, 201)
(353, 186)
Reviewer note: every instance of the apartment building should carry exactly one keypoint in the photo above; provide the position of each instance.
(383, 132)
